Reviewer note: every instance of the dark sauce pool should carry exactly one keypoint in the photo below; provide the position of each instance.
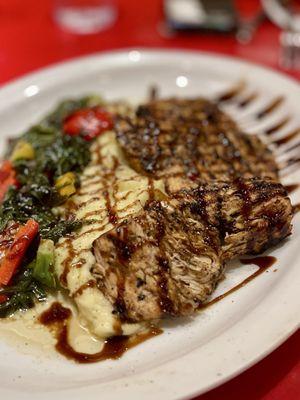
(113, 349)
(57, 316)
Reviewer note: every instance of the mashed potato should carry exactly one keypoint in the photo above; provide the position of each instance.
(107, 183)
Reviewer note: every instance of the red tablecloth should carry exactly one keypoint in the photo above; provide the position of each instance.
(29, 39)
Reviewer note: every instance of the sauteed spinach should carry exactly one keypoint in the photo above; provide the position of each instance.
(35, 196)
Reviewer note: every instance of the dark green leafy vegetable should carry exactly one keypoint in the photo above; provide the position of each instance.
(38, 195)
(62, 228)
(40, 136)
(22, 293)
(62, 154)
(28, 203)
(66, 153)
(20, 207)
(55, 153)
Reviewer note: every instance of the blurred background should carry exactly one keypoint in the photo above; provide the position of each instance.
(35, 33)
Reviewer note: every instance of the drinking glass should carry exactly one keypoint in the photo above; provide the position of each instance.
(85, 16)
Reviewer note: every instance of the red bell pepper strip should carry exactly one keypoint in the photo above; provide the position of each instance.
(3, 298)
(7, 178)
(89, 122)
(15, 253)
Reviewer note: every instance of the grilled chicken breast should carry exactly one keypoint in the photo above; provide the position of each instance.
(169, 258)
(184, 141)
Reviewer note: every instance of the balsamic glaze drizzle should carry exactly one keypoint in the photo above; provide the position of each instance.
(272, 106)
(230, 94)
(248, 100)
(286, 138)
(289, 148)
(278, 126)
(263, 263)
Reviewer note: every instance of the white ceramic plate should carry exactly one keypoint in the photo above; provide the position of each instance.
(223, 340)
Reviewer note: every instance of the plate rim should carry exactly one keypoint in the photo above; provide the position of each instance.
(122, 51)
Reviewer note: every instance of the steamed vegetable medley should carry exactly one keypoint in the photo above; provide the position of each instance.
(40, 173)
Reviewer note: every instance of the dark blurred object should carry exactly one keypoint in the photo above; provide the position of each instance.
(208, 15)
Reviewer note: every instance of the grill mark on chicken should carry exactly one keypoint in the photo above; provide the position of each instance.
(243, 192)
(222, 226)
(168, 259)
(165, 301)
(124, 253)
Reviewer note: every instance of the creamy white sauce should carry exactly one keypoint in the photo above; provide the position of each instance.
(24, 331)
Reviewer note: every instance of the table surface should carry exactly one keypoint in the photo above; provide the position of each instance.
(29, 39)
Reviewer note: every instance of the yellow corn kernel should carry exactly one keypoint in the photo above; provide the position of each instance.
(23, 150)
(67, 191)
(65, 184)
(65, 179)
